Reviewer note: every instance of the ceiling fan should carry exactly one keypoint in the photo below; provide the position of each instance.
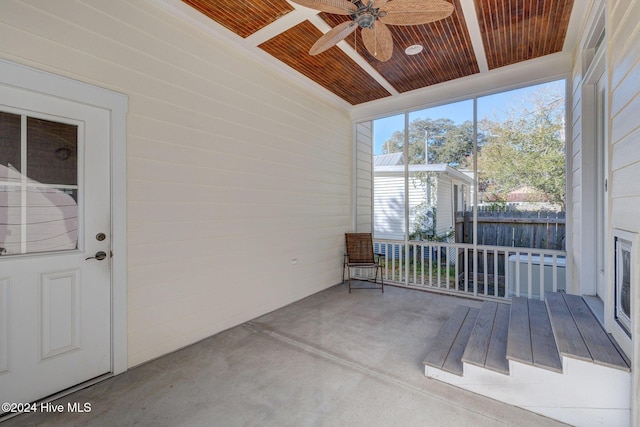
(373, 16)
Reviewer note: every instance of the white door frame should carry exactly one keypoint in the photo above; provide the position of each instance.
(591, 188)
(594, 65)
(32, 79)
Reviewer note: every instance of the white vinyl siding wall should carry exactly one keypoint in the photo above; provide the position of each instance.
(444, 213)
(624, 133)
(232, 171)
(363, 177)
(623, 59)
(388, 205)
(625, 114)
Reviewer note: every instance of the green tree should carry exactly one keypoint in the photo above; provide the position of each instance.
(446, 142)
(527, 148)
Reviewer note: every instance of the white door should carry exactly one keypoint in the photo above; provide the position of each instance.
(55, 304)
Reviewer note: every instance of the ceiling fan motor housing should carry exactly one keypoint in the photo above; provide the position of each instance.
(366, 14)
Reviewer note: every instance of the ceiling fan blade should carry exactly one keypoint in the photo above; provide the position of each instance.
(339, 7)
(379, 3)
(333, 36)
(415, 12)
(378, 41)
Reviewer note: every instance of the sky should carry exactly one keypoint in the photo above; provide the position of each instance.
(491, 106)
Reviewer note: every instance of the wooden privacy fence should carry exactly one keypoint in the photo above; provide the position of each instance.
(519, 229)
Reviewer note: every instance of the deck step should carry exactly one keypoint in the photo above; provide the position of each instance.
(543, 345)
(530, 338)
(446, 352)
(487, 346)
(579, 334)
(519, 337)
(565, 331)
(585, 379)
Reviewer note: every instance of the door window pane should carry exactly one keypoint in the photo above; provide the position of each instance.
(52, 219)
(52, 152)
(9, 143)
(38, 203)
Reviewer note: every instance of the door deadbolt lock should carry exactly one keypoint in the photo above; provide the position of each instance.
(99, 256)
(100, 237)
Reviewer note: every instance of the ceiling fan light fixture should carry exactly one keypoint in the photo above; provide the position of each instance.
(414, 49)
(365, 20)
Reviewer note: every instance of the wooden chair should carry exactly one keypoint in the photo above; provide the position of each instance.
(360, 255)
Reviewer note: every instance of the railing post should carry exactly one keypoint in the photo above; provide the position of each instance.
(529, 277)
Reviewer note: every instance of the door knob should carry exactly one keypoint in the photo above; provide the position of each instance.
(99, 256)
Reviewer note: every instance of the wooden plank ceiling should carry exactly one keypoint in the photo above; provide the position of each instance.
(515, 31)
(511, 31)
(241, 16)
(332, 69)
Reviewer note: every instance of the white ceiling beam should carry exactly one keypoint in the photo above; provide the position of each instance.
(355, 56)
(282, 24)
(471, 18)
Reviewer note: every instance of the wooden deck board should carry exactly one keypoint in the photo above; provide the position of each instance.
(497, 351)
(476, 350)
(596, 339)
(453, 364)
(568, 337)
(519, 337)
(543, 345)
(438, 352)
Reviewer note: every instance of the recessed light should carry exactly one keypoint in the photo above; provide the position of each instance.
(413, 49)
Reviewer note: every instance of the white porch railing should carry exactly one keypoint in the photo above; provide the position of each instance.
(481, 271)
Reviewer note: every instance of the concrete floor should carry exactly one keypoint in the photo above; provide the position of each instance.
(332, 359)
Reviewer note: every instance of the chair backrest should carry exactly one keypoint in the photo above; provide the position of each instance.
(359, 247)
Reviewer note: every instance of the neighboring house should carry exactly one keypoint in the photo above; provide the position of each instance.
(436, 191)
(525, 198)
(527, 194)
(531, 199)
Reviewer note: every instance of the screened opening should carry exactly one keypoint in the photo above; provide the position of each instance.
(470, 196)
